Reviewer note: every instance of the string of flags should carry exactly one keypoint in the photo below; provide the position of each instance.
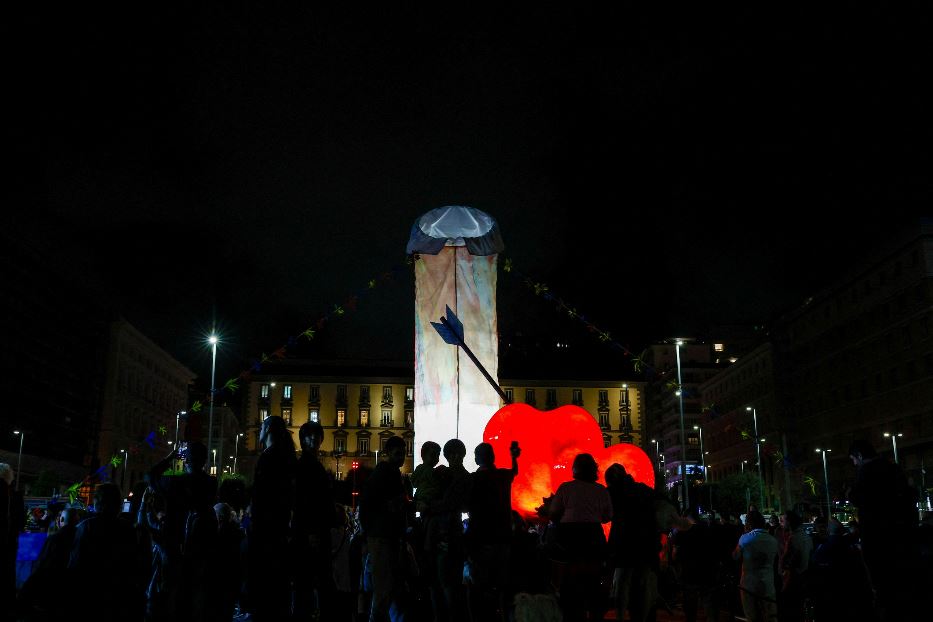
(232, 385)
(639, 361)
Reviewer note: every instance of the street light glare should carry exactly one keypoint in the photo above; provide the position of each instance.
(213, 340)
(15, 431)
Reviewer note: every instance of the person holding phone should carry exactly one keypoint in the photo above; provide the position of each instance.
(489, 531)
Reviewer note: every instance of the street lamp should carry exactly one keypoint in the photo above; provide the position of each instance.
(829, 507)
(703, 457)
(126, 462)
(236, 451)
(19, 462)
(177, 419)
(761, 494)
(702, 453)
(683, 444)
(657, 454)
(210, 429)
(894, 442)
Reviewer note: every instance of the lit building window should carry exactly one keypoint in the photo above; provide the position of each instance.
(409, 394)
(314, 416)
(341, 417)
(264, 391)
(287, 392)
(263, 414)
(604, 420)
(287, 415)
(387, 418)
(409, 418)
(718, 347)
(409, 447)
(364, 417)
(386, 395)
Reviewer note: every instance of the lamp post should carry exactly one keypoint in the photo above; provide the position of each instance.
(683, 445)
(829, 507)
(747, 494)
(702, 456)
(126, 462)
(214, 452)
(894, 442)
(19, 461)
(210, 424)
(236, 451)
(710, 483)
(657, 455)
(177, 419)
(761, 494)
(702, 453)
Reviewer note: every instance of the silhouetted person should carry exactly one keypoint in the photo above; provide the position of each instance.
(837, 582)
(428, 488)
(448, 547)
(12, 523)
(57, 547)
(795, 562)
(271, 513)
(189, 532)
(226, 564)
(694, 553)
(106, 548)
(757, 550)
(888, 521)
(579, 508)
(489, 531)
(383, 520)
(315, 514)
(634, 543)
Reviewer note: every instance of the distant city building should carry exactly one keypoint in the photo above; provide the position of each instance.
(361, 404)
(699, 361)
(728, 422)
(856, 361)
(144, 391)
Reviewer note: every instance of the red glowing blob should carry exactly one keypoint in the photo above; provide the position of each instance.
(549, 441)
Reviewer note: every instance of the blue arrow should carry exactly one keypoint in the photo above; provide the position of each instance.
(450, 329)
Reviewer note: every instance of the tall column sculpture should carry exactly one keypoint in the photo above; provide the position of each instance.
(458, 247)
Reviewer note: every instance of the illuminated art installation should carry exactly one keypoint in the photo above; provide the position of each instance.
(458, 248)
(549, 441)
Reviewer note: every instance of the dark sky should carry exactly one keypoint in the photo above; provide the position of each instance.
(661, 169)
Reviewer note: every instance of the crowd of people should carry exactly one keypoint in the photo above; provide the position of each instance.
(445, 544)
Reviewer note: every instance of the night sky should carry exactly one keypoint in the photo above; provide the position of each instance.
(662, 170)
